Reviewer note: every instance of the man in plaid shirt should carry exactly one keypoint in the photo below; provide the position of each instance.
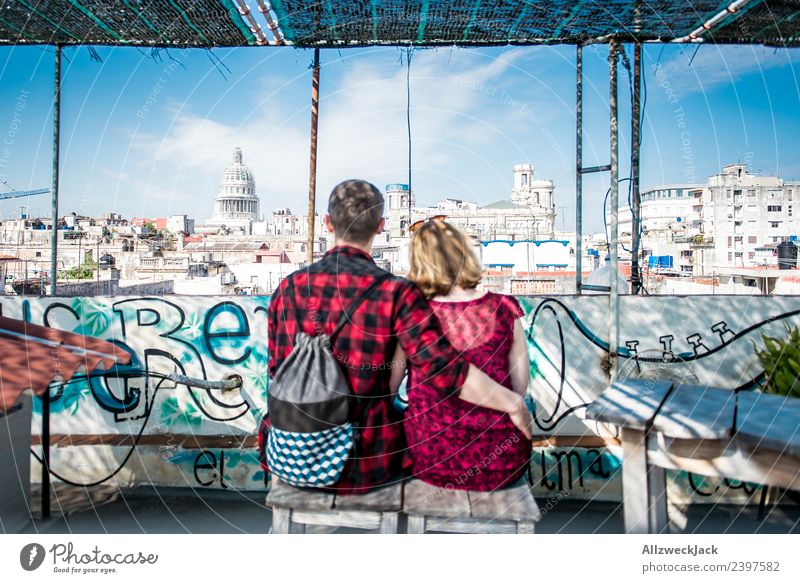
(395, 313)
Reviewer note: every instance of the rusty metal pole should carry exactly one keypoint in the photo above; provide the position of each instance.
(312, 178)
(53, 275)
(578, 169)
(636, 140)
(613, 296)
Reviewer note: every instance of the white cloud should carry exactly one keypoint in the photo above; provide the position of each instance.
(715, 65)
(362, 131)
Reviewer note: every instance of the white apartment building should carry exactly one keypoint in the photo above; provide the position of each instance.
(529, 214)
(180, 224)
(735, 220)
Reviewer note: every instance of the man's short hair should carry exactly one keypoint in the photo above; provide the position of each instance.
(356, 209)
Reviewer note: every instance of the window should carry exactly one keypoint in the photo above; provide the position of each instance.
(730, 256)
(38, 254)
(751, 255)
(789, 208)
(774, 224)
(774, 208)
(730, 241)
(752, 240)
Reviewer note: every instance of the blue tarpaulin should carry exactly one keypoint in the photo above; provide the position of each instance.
(660, 262)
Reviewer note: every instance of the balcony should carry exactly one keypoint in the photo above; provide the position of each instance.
(199, 459)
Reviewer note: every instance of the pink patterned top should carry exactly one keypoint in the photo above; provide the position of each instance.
(456, 444)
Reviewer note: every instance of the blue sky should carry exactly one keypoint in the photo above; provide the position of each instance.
(150, 136)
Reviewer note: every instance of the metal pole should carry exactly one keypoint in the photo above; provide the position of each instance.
(578, 169)
(312, 178)
(53, 277)
(408, 126)
(613, 297)
(636, 140)
(54, 189)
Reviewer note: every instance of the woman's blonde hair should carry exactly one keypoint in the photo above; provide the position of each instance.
(442, 257)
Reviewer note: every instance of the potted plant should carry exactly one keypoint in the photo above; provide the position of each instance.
(780, 358)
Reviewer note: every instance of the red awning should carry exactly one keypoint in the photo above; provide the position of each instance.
(32, 356)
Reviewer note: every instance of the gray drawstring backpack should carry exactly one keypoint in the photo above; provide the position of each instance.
(311, 436)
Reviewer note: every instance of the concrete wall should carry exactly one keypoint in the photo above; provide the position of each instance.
(109, 287)
(194, 438)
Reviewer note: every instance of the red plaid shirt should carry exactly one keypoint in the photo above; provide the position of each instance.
(395, 313)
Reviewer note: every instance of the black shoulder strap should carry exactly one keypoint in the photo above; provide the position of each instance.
(291, 298)
(348, 315)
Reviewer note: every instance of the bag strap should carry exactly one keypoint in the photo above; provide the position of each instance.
(292, 300)
(348, 315)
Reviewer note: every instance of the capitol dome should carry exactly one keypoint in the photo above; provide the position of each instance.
(236, 205)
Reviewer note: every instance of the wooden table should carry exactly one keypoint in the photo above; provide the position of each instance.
(746, 436)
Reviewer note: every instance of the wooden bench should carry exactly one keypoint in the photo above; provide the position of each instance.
(294, 508)
(747, 436)
(430, 508)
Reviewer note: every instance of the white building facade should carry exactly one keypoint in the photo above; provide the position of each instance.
(237, 206)
(529, 214)
(736, 220)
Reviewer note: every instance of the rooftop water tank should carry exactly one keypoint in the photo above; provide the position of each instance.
(787, 255)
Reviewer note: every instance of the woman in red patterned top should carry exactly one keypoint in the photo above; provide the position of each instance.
(452, 443)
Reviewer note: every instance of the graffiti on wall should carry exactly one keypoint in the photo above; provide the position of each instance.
(185, 436)
(204, 338)
(702, 340)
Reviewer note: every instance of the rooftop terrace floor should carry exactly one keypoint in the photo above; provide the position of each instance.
(186, 510)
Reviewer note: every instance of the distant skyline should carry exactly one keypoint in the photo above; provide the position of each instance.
(148, 136)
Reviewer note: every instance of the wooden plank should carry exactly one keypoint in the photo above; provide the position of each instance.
(381, 499)
(632, 403)
(526, 528)
(339, 518)
(281, 521)
(736, 462)
(513, 503)
(184, 441)
(416, 525)
(657, 501)
(470, 525)
(427, 500)
(636, 499)
(282, 495)
(697, 412)
(389, 522)
(769, 421)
